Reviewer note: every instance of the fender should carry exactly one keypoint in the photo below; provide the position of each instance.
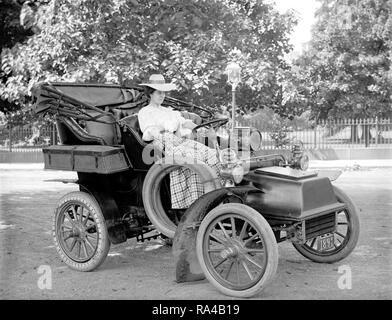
(330, 174)
(116, 230)
(184, 243)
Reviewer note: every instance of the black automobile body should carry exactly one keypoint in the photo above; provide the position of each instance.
(228, 235)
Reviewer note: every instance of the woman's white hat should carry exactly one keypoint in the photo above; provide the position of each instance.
(157, 82)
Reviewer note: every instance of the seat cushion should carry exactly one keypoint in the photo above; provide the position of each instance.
(71, 133)
(132, 123)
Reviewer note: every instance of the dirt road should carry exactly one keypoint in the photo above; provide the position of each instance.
(146, 270)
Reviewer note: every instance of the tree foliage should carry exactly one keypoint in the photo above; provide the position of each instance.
(11, 32)
(346, 70)
(190, 42)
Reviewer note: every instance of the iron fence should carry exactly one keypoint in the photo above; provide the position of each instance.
(27, 137)
(331, 134)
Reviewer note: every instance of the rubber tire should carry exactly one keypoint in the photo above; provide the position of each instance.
(352, 242)
(103, 238)
(268, 236)
(153, 203)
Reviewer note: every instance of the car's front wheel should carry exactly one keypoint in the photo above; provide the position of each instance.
(237, 250)
(343, 239)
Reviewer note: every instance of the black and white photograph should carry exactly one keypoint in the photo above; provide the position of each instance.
(212, 151)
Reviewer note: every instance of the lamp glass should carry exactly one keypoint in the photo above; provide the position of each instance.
(233, 73)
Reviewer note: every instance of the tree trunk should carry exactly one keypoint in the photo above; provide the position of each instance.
(366, 133)
(354, 133)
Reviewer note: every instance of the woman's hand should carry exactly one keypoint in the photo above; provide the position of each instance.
(185, 129)
(152, 132)
(189, 124)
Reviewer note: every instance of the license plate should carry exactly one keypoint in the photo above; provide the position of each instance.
(326, 242)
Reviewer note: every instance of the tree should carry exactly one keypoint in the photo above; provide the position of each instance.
(11, 32)
(190, 42)
(346, 70)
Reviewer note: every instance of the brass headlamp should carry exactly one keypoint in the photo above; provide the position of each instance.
(232, 168)
(299, 159)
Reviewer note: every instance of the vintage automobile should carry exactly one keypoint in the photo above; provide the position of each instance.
(229, 235)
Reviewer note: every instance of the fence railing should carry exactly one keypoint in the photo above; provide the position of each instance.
(342, 133)
(27, 138)
(329, 134)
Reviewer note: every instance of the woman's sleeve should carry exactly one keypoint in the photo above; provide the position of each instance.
(172, 121)
(148, 125)
(144, 119)
(169, 120)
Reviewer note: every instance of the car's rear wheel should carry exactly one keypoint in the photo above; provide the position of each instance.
(237, 250)
(79, 231)
(344, 238)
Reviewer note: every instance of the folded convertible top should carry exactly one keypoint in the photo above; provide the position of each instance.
(89, 96)
(71, 98)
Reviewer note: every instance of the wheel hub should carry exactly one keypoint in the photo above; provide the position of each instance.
(229, 252)
(232, 251)
(79, 231)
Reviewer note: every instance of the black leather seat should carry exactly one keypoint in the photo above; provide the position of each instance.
(71, 133)
(141, 153)
(132, 124)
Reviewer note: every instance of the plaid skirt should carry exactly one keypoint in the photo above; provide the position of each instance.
(185, 185)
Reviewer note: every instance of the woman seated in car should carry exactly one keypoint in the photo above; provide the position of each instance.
(170, 131)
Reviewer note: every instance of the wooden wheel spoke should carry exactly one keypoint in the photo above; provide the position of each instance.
(217, 239)
(233, 230)
(80, 249)
(254, 250)
(86, 219)
(81, 213)
(243, 230)
(341, 235)
(251, 238)
(228, 271)
(216, 249)
(74, 212)
(253, 262)
(85, 248)
(89, 227)
(223, 230)
(90, 244)
(247, 270)
(73, 244)
(68, 237)
(219, 263)
(238, 271)
(69, 218)
(91, 236)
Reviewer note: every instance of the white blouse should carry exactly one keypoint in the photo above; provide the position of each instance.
(153, 120)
